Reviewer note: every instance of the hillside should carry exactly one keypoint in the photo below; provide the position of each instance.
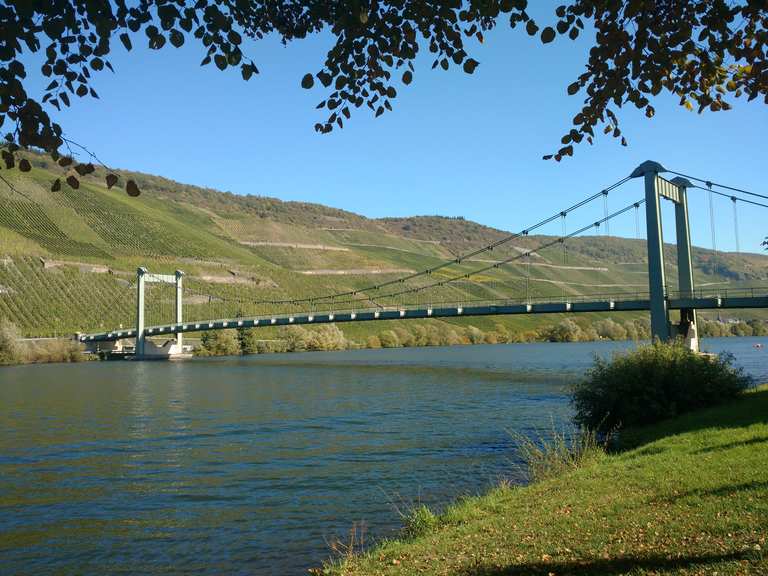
(68, 257)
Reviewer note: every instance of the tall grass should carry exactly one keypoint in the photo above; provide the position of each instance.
(558, 452)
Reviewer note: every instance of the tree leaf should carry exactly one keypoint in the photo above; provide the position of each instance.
(73, 182)
(24, 165)
(307, 81)
(407, 77)
(470, 64)
(248, 70)
(132, 189)
(547, 35)
(56, 186)
(111, 180)
(85, 169)
(10, 162)
(176, 38)
(221, 61)
(126, 40)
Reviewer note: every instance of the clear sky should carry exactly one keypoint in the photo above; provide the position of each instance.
(455, 145)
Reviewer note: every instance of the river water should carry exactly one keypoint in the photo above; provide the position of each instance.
(253, 465)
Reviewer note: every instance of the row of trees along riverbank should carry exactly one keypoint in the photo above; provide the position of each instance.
(331, 337)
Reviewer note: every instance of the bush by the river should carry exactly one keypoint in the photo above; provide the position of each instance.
(11, 351)
(15, 351)
(652, 383)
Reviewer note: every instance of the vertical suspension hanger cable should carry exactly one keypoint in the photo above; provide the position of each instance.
(736, 224)
(565, 245)
(712, 216)
(637, 220)
(528, 277)
(605, 213)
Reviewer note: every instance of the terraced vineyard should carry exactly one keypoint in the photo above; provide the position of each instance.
(69, 257)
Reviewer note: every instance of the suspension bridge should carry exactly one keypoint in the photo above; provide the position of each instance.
(432, 292)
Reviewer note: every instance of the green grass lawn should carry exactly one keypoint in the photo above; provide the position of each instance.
(690, 497)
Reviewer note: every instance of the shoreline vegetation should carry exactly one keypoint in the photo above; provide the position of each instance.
(683, 495)
(16, 350)
(330, 337)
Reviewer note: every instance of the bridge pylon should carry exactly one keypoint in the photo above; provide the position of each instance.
(142, 277)
(675, 191)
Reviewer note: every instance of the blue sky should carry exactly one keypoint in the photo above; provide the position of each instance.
(455, 145)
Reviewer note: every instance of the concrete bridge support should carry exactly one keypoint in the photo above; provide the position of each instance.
(657, 188)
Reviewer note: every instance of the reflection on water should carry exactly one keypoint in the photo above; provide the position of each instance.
(249, 465)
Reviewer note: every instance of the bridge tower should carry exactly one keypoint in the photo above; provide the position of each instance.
(142, 277)
(675, 190)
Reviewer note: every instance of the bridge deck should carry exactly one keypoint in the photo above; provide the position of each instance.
(745, 299)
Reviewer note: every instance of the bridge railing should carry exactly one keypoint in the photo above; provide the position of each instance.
(719, 292)
(370, 305)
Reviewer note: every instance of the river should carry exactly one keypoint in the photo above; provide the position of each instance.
(251, 465)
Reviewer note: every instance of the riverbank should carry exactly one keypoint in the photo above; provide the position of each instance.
(691, 497)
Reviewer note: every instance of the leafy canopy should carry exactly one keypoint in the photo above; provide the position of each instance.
(706, 52)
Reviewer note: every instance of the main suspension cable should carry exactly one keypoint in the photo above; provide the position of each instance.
(710, 183)
(459, 259)
(732, 197)
(468, 275)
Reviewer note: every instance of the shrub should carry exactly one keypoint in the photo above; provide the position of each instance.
(406, 338)
(297, 338)
(565, 331)
(475, 335)
(248, 340)
(609, 329)
(651, 383)
(419, 521)
(10, 348)
(389, 339)
(58, 350)
(327, 337)
(219, 343)
(270, 346)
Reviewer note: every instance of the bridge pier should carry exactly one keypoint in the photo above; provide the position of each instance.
(657, 188)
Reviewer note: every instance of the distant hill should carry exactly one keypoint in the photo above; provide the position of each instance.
(68, 256)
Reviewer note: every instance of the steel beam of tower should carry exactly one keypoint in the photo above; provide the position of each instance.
(140, 273)
(656, 282)
(688, 326)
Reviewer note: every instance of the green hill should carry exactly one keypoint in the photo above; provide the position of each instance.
(69, 257)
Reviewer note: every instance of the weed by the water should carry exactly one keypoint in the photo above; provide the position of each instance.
(559, 452)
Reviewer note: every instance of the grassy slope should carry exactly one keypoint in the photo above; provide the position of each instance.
(691, 498)
(203, 232)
